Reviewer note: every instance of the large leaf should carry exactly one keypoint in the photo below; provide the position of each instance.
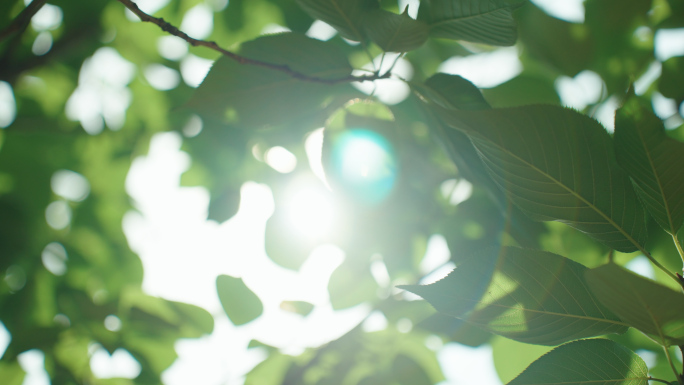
(557, 164)
(653, 160)
(393, 32)
(644, 304)
(262, 96)
(583, 362)
(530, 296)
(479, 21)
(344, 15)
(238, 301)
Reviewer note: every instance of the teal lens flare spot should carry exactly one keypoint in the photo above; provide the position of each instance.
(366, 165)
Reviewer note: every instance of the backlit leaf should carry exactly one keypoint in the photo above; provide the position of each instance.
(557, 165)
(344, 15)
(479, 21)
(257, 96)
(653, 160)
(238, 301)
(644, 304)
(595, 361)
(393, 32)
(530, 296)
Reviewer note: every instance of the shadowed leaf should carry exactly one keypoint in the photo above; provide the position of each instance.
(259, 96)
(395, 33)
(557, 165)
(644, 304)
(586, 362)
(530, 296)
(653, 160)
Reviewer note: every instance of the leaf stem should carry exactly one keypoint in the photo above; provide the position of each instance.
(22, 20)
(678, 245)
(168, 27)
(658, 380)
(661, 267)
(669, 360)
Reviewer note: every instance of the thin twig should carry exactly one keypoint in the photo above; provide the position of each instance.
(167, 27)
(22, 20)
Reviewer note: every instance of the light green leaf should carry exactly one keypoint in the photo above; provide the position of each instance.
(644, 304)
(530, 296)
(595, 361)
(557, 165)
(653, 160)
(238, 301)
(259, 96)
(344, 15)
(11, 373)
(395, 33)
(479, 21)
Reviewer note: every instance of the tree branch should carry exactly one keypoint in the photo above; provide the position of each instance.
(167, 27)
(22, 20)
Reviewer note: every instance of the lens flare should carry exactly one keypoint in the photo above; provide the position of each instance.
(366, 165)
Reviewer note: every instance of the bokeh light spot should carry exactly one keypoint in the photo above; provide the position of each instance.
(54, 258)
(366, 164)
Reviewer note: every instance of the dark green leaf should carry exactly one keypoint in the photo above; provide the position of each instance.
(644, 304)
(238, 301)
(344, 15)
(672, 78)
(395, 33)
(530, 296)
(453, 91)
(260, 96)
(557, 164)
(479, 21)
(586, 362)
(653, 160)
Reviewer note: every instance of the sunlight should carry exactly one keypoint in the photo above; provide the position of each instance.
(311, 211)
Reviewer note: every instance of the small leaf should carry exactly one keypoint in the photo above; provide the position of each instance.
(238, 301)
(259, 96)
(343, 15)
(395, 33)
(453, 91)
(478, 21)
(653, 160)
(596, 361)
(530, 296)
(644, 304)
(557, 165)
(299, 307)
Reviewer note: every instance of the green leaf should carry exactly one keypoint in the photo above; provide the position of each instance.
(395, 33)
(557, 165)
(653, 160)
(238, 301)
(344, 15)
(644, 304)
(453, 91)
(11, 373)
(595, 361)
(530, 296)
(672, 78)
(258, 96)
(478, 21)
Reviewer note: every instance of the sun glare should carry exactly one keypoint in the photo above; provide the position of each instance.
(365, 162)
(311, 212)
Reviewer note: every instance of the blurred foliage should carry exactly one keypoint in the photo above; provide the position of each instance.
(66, 266)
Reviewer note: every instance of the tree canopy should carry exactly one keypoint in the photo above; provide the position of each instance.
(545, 150)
